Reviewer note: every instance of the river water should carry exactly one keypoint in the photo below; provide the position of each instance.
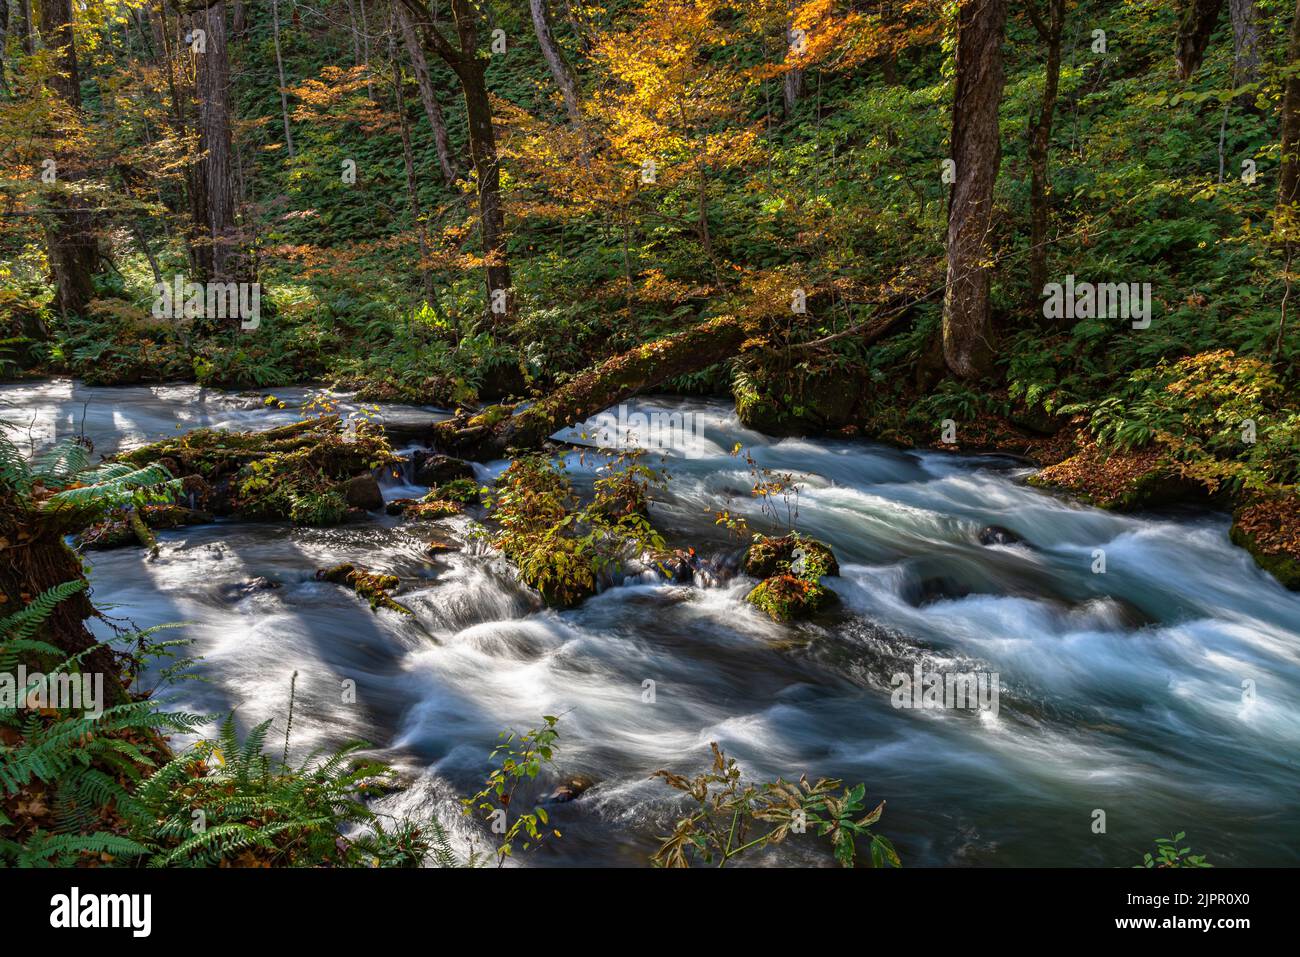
(1163, 692)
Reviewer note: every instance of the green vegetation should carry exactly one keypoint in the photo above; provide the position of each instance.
(729, 817)
(559, 545)
(1169, 854)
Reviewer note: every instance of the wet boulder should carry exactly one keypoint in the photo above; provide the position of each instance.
(376, 588)
(439, 547)
(362, 491)
(999, 535)
(570, 789)
(676, 565)
(432, 468)
(792, 568)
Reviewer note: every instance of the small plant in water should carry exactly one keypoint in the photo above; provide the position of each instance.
(1169, 854)
(519, 758)
(730, 813)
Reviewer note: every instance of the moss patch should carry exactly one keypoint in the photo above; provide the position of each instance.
(299, 472)
(374, 588)
(792, 568)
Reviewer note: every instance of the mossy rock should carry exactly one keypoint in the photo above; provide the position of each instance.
(772, 556)
(116, 531)
(1121, 481)
(821, 400)
(300, 472)
(1270, 531)
(464, 491)
(787, 597)
(792, 568)
(371, 586)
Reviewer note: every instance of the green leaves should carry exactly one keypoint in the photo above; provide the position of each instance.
(1169, 854)
(520, 758)
(728, 811)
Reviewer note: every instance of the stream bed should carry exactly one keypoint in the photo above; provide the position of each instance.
(1164, 692)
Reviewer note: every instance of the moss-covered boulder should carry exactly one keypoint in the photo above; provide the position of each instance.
(802, 401)
(304, 472)
(464, 491)
(807, 557)
(374, 588)
(792, 568)
(1270, 530)
(787, 597)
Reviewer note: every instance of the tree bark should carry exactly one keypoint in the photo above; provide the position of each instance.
(420, 66)
(279, 66)
(792, 80)
(1245, 43)
(1040, 134)
(408, 162)
(1199, 18)
(220, 255)
(977, 152)
(23, 25)
(1289, 177)
(70, 233)
(36, 560)
(560, 69)
(490, 434)
(471, 69)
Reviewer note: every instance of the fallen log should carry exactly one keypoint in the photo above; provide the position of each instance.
(493, 431)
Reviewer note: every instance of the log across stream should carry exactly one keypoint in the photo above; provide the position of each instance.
(1120, 691)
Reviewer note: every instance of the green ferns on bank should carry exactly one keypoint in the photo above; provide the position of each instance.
(77, 786)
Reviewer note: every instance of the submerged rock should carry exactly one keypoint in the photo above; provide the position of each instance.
(438, 547)
(570, 789)
(238, 590)
(999, 535)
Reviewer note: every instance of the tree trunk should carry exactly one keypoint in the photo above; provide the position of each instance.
(23, 25)
(70, 234)
(1289, 178)
(489, 434)
(792, 80)
(420, 66)
(222, 260)
(487, 170)
(1245, 45)
(279, 66)
(37, 560)
(559, 66)
(1040, 135)
(977, 152)
(1199, 18)
(471, 69)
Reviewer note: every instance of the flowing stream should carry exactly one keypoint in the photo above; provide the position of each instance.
(1164, 692)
